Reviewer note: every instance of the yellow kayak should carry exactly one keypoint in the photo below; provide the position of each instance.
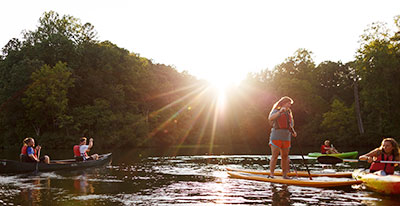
(293, 174)
(304, 182)
(388, 184)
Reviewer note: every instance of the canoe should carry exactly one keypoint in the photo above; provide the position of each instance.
(12, 166)
(348, 155)
(389, 184)
(293, 174)
(303, 182)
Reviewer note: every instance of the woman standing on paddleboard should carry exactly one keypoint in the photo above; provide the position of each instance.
(281, 119)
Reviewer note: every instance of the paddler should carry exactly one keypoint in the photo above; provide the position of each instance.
(327, 148)
(388, 151)
(81, 150)
(281, 119)
(29, 153)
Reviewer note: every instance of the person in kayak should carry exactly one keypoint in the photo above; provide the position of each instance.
(388, 151)
(29, 152)
(281, 119)
(327, 148)
(81, 150)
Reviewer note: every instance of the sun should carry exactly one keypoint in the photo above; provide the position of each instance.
(221, 84)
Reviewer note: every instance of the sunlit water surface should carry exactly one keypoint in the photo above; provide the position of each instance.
(137, 179)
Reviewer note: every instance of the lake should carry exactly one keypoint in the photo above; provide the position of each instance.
(186, 176)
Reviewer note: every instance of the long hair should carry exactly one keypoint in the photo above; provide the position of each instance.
(395, 146)
(26, 141)
(278, 105)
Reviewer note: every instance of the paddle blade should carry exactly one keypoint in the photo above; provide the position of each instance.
(329, 160)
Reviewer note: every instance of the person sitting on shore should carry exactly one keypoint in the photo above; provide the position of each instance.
(388, 151)
(29, 152)
(327, 148)
(81, 150)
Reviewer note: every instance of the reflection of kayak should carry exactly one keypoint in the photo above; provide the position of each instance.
(349, 155)
(12, 166)
(293, 174)
(389, 184)
(304, 182)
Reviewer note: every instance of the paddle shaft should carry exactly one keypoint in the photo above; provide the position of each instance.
(389, 162)
(37, 163)
(302, 156)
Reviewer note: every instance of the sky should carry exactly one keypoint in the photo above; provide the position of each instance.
(217, 40)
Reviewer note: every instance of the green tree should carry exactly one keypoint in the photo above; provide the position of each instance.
(378, 66)
(340, 123)
(46, 99)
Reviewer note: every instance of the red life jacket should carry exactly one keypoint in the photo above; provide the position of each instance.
(24, 150)
(324, 148)
(387, 167)
(77, 152)
(284, 121)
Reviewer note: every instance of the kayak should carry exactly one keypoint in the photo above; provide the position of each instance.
(12, 166)
(293, 174)
(389, 184)
(303, 182)
(348, 155)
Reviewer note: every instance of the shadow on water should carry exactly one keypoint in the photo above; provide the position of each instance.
(177, 177)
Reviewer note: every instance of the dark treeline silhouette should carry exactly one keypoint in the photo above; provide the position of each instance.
(60, 83)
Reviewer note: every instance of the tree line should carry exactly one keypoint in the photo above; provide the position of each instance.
(59, 83)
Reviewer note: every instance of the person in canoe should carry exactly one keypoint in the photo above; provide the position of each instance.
(29, 153)
(327, 148)
(81, 150)
(388, 151)
(281, 119)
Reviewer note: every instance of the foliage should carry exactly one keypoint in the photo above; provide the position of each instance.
(60, 83)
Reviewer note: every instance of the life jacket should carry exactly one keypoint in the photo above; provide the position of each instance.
(77, 152)
(284, 121)
(387, 167)
(324, 148)
(23, 150)
(24, 153)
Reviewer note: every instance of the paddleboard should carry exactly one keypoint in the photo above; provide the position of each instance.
(389, 184)
(303, 182)
(293, 174)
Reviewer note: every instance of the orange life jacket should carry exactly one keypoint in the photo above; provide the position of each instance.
(387, 167)
(284, 121)
(24, 151)
(77, 152)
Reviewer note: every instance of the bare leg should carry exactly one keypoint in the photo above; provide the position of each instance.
(274, 158)
(95, 156)
(285, 161)
(46, 159)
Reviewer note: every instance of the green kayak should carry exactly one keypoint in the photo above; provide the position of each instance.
(347, 155)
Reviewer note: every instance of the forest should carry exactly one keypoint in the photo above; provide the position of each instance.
(59, 82)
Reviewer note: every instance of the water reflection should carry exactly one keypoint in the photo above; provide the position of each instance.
(32, 194)
(82, 185)
(140, 179)
(280, 195)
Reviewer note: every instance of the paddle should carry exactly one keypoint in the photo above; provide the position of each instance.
(302, 156)
(335, 160)
(37, 163)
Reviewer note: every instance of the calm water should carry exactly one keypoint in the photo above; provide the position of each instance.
(172, 177)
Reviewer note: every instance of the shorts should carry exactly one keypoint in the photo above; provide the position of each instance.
(282, 144)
